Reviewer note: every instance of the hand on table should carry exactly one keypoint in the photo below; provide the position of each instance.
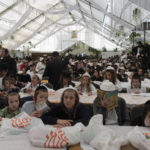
(89, 93)
(58, 126)
(64, 122)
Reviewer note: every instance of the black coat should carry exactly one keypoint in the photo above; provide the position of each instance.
(11, 65)
(58, 112)
(53, 71)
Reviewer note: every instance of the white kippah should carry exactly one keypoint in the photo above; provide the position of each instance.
(110, 68)
(86, 74)
(121, 68)
(107, 86)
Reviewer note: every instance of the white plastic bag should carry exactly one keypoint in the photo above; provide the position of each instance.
(107, 140)
(50, 137)
(94, 127)
(139, 139)
(100, 137)
(19, 124)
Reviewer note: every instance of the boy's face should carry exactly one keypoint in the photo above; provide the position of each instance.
(7, 84)
(108, 76)
(85, 80)
(13, 102)
(121, 72)
(35, 80)
(136, 83)
(42, 96)
(69, 99)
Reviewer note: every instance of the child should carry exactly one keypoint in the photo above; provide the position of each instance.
(122, 77)
(12, 109)
(38, 106)
(108, 104)
(69, 111)
(110, 75)
(96, 76)
(31, 86)
(136, 86)
(85, 87)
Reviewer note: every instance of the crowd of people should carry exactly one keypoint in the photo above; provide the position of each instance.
(81, 76)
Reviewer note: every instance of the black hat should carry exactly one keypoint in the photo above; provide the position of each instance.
(66, 74)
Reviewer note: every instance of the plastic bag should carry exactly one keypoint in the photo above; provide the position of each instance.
(50, 137)
(94, 127)
(97, 136)
(21, 123)
(107, 140)
(139, 139)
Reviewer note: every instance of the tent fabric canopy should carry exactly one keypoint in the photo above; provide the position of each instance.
(48, 25)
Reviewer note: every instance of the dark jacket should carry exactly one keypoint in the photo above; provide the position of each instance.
(123, 78)
(11, 65)
(121, 110)
(53, 71)
(58, 112)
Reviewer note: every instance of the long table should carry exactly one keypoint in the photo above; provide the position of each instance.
(21, 142)
(54, 97)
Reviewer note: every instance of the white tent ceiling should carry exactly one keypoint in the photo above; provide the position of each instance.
(47, 25)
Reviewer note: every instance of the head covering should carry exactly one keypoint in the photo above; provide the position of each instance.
(108, 89)
(121, 68)
(86, 74)
(66, 74)
(55, 54)
(110, 68)
(107, 86)
(38, 75)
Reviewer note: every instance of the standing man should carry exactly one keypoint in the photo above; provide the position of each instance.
(9, 61)
(54, 69)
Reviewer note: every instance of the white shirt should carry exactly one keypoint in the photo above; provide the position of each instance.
(111, 117)
(134, 90)
(40, 67)
(118, 85)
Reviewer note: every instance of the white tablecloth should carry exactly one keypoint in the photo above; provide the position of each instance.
(19, 142)
(129, 98)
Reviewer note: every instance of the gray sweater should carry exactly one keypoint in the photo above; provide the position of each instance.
(121, 110)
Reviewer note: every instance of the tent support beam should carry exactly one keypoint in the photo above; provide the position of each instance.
(97, 32)
(38, 30)
(112, 16)
(47, 36)
(14, 28)
(8, 8)
(33, 34)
